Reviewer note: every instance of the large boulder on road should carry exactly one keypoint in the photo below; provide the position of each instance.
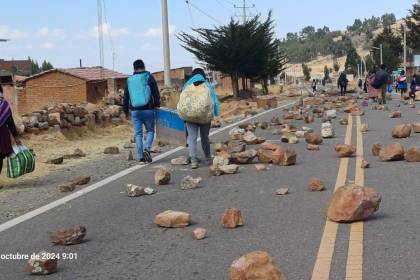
(352, 203)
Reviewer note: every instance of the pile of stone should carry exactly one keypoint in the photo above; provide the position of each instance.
(65, 115)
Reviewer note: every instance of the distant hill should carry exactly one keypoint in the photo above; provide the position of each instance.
(322, 47)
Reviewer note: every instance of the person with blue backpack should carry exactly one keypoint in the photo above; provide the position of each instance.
(141, 97)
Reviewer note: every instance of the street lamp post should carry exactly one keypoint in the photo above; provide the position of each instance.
(380, 49)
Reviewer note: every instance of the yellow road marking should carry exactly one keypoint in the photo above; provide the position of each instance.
(326, 249)
(354, 269)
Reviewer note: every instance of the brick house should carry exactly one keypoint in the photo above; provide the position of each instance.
(178, 76)
(20, 67)
(72, 85)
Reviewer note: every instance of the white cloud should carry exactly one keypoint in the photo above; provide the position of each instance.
(109, 30)
(157, 31)
(48, 45)
(11, 33)
(54, 33)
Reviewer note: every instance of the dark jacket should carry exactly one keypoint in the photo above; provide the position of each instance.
(381, 79)
(342, 81)
(154, 99)
(5, 142)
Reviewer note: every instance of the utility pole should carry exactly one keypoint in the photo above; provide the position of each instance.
(100, 34)
(166, 52)
(244, 7)
(382, 61)
(405, 48)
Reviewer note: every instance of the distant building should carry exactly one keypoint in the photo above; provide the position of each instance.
(19, 67)
(178, 77)
(72, 85)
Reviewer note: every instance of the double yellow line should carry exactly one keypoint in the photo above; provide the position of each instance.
(354, 266)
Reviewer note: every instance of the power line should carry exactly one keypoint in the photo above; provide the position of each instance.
(244, 7)
(190, 13)
(203, 12)
(223, 6)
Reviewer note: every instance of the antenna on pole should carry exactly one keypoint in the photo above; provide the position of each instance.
(100, 35)
(244, 7)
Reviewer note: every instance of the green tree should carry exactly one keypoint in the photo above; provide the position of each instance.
(247, 50)
(413, 24)
(336, 65)
(351, 61)
(370, 63)
(35, 69)
(388, 19)
(326, 73)
(46, 65)
(391, 47)
(306, 71)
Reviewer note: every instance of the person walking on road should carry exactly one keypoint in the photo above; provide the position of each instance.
(414, 87)
(141, 97)
(197, 85)
(381, 82)
(342, 83)
(402, 83)
(314, 86)
(7, 128)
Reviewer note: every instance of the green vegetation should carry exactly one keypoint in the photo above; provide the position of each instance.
(392, 48)
(413, 24)
(243, 50)
(35, 68)
(351, 61)
(306, 71)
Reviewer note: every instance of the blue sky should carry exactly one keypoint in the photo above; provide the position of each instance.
(62, 31)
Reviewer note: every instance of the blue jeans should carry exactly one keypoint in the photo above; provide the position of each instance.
(193, 129)
(146, 118)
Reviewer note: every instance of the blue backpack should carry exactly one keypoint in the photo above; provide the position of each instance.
(139, 89)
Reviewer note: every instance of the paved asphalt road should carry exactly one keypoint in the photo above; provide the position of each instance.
(124, 243)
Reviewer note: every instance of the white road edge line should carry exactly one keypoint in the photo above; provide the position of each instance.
(11, 223)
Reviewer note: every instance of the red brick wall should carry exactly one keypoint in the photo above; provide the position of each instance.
(8, 94)
(50, 89)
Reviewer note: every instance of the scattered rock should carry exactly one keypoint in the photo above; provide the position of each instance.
(416, 127)
(289, 138)
(232, 218)
(135, 191)
(401, 131)
(42, 264)
(56, 160)
(245, 157)
(237, 133)
(300, 134)
(312, 147)
(266, 102)
(392, 152)
(412, 154)
(173, 219)
(223, 158)
(130, 155)
(261, 167)
(365, 164)
(364, 127)
(327, 130)
(376, 148)
(111, 150)
(315, 185)
(189, 183)
(67, 187)
(162, 177)
(283, 156)
(309, 119)
(181, 160)
(282, 191)
(332, 114)
(344, 150)
(251, 139)
(229, 169)
(256, 265)
(344, 121)
(395, 114)
(81, 180)
(199, 233)
(352, 203)
(72, 236)
(78, 153)
(313, 138)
